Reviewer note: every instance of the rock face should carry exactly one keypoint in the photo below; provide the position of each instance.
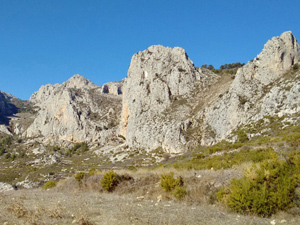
(167, 101)
(158, 79)
(114, 88)
(7, 108)
(74, 111)
(257, 89)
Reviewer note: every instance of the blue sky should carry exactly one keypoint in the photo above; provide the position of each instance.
(48, 41)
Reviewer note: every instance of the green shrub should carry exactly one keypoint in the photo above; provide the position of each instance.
(295, 66)
(168, 182)
(7, 155)
(109, 181)
(179, 193)
(226, 160)
(49, 184)
(7, 141)
(77, 148)
(2, 151)
(242, 136)
(79, 176)
(271, 189)
(83, 147)
(92, 171)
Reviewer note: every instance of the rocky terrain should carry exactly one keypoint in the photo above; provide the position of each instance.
(166, 97)
(165, 101)
(167, 117)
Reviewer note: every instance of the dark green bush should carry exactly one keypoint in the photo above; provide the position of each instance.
(168, 182)
(109, 181)
(270, 190)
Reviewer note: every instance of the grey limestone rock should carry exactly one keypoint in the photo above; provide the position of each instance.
(114, 88)
(256, 89)
(159, 79)
(74, 111)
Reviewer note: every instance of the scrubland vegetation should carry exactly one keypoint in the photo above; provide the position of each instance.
(256, 176)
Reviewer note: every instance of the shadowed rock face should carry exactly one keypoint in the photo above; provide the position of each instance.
(7, 108)
(114, 88)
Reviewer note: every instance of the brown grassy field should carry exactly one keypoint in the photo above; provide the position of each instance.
(138, 199)
(64, 207)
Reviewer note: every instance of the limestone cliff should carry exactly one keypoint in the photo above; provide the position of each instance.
(159, 81)
(259, 89)
(74, 111)
(169, 103)
(165, 101)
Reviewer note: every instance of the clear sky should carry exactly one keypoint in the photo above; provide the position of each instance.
(48, 41)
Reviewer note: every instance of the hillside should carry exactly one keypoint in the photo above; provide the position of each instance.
(166, 116)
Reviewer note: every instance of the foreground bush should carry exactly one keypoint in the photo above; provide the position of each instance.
(270, 188)
(109, 181)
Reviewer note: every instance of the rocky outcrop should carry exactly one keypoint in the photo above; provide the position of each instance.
(257, 88)
(114, 88)
(158, 82)
(165, 101)
(74, 111)
(169, 103)
(7, 108)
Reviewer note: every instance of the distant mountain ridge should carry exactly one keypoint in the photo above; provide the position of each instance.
(164, 102)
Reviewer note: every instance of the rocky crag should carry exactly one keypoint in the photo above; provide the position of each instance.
(155, 105)
(169, 103)
(164, 102)
(259, 89)
(75, 111)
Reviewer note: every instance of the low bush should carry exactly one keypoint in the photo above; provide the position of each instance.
(49, 184)
(77, 149)
(272, 188)
(242, 136)
(179, 193)
(169, 183)
(79, 176)
(92, 171)
(109, 181)
(226, 160)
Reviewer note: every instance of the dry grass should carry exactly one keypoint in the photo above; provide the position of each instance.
(138, 199)
(60, 207)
